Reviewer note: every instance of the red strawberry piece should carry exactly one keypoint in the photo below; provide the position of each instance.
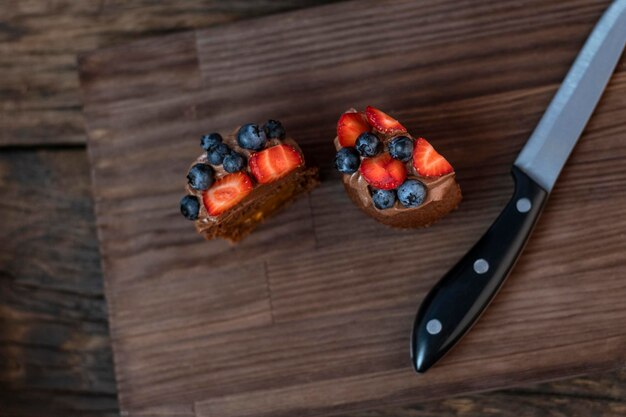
(274, 163)
(383, 122)
(350, 126)
(428, 162)
(226, 192)
(383, 171)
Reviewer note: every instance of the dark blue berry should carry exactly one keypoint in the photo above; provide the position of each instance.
(189, 207)
(216, 153)
(274, 129)
(411, 193)
(347, 160)
(234, 162)
(250, 136)
(401, 148)
(383, 199)
(200, 177)
(210, 140)
(368, 144)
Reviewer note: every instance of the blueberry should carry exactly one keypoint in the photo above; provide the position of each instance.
(234, 162)
(383, 199)
(347, 160)
(411, 193)
(189, 207)
(216, 153)
(250, 136)
(200, 177)
(210, 140)
(274, 129)
(401, 148)
(368, 144)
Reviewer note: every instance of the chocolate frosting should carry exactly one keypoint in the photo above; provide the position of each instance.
(437, 188)
(204, 219)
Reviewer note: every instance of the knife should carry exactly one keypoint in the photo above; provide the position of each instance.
(456, 302)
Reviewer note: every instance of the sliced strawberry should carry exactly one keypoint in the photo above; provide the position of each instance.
(274, 163)
(427, 162)
(226, 192)
(350, 126)
(383, 122)
(383, 171)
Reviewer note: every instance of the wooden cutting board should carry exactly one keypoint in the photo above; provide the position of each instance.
(312, 314)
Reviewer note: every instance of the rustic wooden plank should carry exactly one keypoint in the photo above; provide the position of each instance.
(339, 222)
(211, 313)
(40, 375)
(306, 400)
(54, 340)
(533, 402)
(127, 79)
(39, 41)
(474, 77)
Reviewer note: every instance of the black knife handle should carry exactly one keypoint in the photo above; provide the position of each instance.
(460, 297)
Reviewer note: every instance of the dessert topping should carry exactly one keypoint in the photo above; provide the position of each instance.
(234, 162)
(189, 207)
(428, 162)
(383, 199)
(226, 193)
(383, 122)
(383, 171)
(347, 160)
(411, 193)
(210, 140)
(368, 144)
(274, 129)
(200, 177)
(217, 152)
(350, 126)
(274, 163)
(401, 148)
(251, 137)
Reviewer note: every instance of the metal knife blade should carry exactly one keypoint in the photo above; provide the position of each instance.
(549, 146)
(456, 302)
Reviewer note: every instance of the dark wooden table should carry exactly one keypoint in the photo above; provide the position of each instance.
(55, 356)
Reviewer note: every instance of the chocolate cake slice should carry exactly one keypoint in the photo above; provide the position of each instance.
(397, 179)
(243, 179)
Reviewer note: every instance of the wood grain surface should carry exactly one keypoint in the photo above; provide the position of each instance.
(54, 346)
(55, 354)
(40, 101)
(312, 314)
(39, 374)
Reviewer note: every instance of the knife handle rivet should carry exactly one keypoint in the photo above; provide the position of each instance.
(433, 326)
(481, 266)
(523, 205)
